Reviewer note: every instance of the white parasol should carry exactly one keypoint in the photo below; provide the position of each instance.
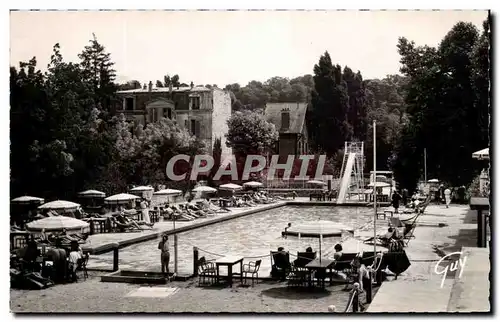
(204, 189)
(168, 192)
(60, 205)
(27, 200)
(56, 223)
(318, 229)
(230, 186)
(92, 194)
(253, 184)
(120, 198)
(141, 189)
(433, 181)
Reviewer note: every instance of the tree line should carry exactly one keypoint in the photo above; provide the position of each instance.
(64, 137)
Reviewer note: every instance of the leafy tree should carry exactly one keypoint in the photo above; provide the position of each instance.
(134, 84)
(250, 133)
(443, 105)
(159, 84)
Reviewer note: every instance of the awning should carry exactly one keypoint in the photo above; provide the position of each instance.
(483, 154)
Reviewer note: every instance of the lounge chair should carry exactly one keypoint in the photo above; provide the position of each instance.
(280, 264)
(125, 227)
(80, 236)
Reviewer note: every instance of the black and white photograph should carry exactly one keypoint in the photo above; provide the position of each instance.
(250, 161)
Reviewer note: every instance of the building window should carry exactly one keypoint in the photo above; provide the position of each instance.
(129, 104)
(167, 113)
(195, 103)
(193, 127)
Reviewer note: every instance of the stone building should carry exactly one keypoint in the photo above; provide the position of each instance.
(202, 111)
(290, 121)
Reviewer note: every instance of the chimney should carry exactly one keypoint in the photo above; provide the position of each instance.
(192, 85)
(150, 86)
(285, 119)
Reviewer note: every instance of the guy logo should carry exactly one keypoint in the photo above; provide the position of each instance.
(451, 267)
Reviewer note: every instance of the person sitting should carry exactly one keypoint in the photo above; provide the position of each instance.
(282, 263)
(30, 256)
(338, 252)
(75, 255)
(121, 219)
(58, 257)
(391, 234)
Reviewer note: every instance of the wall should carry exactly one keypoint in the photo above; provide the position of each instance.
(221, 113)
(287, 145)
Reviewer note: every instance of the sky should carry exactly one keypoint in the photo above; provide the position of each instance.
(224, 47)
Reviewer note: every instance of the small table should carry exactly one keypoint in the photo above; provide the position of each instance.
(318, 265)
(229, 261)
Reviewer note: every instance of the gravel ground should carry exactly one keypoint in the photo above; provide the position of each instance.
(95, 296)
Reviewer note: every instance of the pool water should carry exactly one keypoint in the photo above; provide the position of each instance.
(252, 237)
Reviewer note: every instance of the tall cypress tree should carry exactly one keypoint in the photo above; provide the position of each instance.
(330, 101)
(98, 70)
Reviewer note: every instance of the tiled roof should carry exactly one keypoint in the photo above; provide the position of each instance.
(297, 112)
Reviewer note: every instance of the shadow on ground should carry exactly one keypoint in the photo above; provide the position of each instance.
(295, 293)
(470, 217)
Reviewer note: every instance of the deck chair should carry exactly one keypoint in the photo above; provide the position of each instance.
(280, 264)
(343, 265)
(304, 258)
(124, 227)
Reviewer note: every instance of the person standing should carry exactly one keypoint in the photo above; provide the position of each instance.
(405, 197)
(447, 197)
(396, 198)
(165, 255)
(145, 211)
(441, 193)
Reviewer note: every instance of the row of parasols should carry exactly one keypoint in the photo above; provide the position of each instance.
(62, 222)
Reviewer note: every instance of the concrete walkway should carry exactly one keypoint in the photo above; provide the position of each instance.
(470, 292)
(419, 288)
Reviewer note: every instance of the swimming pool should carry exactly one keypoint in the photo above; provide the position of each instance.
(251, 236)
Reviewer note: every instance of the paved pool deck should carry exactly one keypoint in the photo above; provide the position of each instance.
(416, 290)
(419, 288)
(93, 296)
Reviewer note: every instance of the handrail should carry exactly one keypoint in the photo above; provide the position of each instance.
(353, 302)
